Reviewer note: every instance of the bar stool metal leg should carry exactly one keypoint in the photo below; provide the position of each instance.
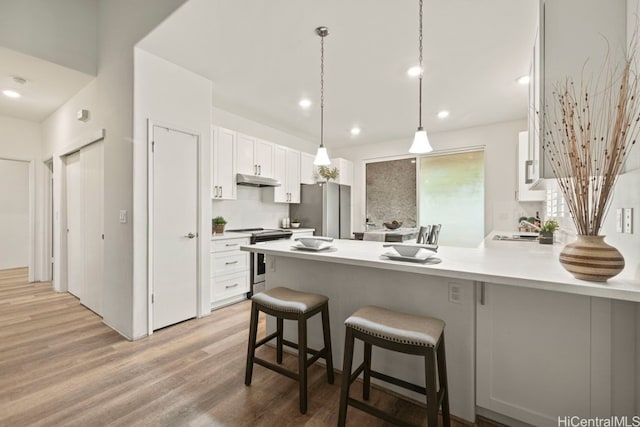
(327, 343)
(346, 376)
(253, 332)
(442, 375)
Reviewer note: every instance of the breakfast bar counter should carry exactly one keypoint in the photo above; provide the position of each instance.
(526, 342)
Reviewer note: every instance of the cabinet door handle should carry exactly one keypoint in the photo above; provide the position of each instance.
(220, 196)
(482, 293)
(255, 169)
(230, 262)
(259, 169)
(232, 244)
(215, 191)
(528, 165)
(231, 286)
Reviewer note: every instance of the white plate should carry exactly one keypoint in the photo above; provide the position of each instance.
(422, 257)
(302, 247)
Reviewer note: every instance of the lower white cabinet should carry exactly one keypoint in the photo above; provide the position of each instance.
(230, 271)
(534, 354)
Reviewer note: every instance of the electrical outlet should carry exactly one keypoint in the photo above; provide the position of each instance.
(619, 221)
(123, 217)
(628, 220)
(455, 293)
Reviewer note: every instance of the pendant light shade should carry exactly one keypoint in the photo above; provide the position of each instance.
(322, 157)
(421, 143)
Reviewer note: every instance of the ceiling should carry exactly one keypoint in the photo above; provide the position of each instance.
(262, 57)
(48, 85)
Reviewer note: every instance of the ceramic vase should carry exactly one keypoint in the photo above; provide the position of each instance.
(590, 258)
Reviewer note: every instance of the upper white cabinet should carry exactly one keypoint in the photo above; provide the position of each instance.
(525, 171)
(307, 169)
(255, 156)
(223, 164)
(346, 170)
(286, 170)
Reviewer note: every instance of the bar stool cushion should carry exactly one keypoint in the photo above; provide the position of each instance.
(288, 300)
(398, 327)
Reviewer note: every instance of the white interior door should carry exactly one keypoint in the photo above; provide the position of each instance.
(75, 258)
(92, 228)
(174, 222)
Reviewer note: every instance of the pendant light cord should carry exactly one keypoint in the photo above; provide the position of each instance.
(321, 91)
(421, 70)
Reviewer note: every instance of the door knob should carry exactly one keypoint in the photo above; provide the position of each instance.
(190, 235)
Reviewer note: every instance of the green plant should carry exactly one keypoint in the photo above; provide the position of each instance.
(328, 173)
(294, 220)
(549, 226)
(219, 220)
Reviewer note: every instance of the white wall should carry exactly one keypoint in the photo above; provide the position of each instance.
(171, 96)
(232, 121)
(500, 141)
(63, 31)
(251, 209)
(14, 214)
(21, 140)
(121, 24)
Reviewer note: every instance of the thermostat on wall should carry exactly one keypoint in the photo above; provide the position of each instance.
(83, 115)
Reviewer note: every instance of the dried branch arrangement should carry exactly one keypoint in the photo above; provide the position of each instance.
(328, 173)
(588, 135)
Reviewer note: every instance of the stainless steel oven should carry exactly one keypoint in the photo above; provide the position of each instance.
(258, 264)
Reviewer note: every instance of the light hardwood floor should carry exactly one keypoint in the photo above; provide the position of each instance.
(61, 366)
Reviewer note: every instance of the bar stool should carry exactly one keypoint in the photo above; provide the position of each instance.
(284, 303)
(404, 333)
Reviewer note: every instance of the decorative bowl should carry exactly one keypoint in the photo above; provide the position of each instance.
(393, 225)
(295, 225)
(314, 242)
(411, 250)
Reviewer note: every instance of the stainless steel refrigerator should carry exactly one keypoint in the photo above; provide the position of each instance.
(326, 207)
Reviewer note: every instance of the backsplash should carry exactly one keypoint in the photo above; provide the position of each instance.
(249, 210)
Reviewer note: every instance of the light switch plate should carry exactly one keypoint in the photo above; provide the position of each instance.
(123, 217)
(455, 293)
(619, 220)
(628, 220)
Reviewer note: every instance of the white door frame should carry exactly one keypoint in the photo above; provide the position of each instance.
(150, 171)
(31, 264)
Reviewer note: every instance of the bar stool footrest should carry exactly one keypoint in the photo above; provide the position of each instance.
(279, 369)
(399, 382)
(266, 339)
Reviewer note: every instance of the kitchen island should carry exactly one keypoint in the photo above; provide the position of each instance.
(525, 340)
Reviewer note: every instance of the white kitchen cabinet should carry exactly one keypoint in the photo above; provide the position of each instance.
(230, 271)
(223, 173)
(534, 354)
(307, 169)
(525, 173)
(286, 170)
(255, 156)
(346, 170)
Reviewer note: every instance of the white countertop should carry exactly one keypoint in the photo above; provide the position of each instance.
(523, 264)
(299, 230)
(229, 235)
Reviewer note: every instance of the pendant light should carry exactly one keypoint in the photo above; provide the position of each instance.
(421, 143)
(322, 157)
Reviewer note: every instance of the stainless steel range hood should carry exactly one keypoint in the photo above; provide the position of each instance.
(256, 181)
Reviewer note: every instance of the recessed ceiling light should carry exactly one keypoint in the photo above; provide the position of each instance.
(11, 93)
(305, 103)
(414, 71)
(443, 114)
(355, 131)
(523, 80)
